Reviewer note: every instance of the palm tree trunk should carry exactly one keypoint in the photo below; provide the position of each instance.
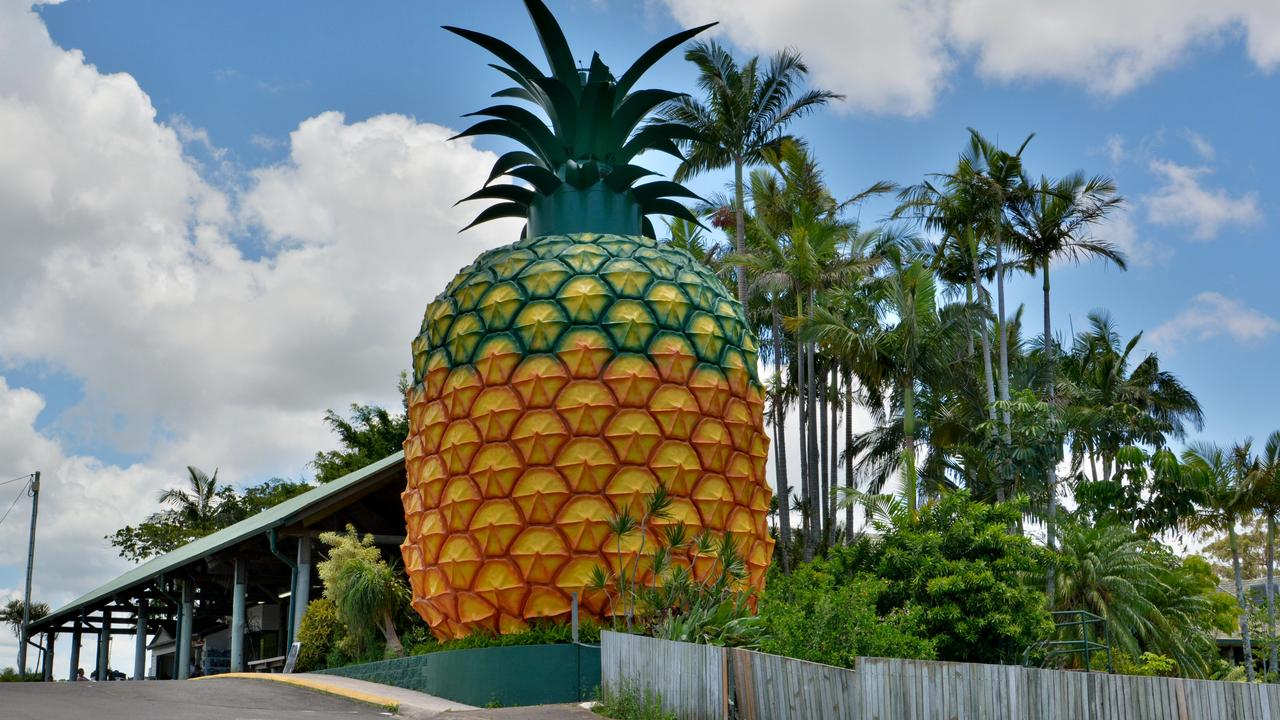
(740, 230)
(393, 640)
(802, 409)
(780, 443)
(848, 452)
(1272, 665)
(1051, 481)
(1004, 333)
(834, 456)
(811, 380)
(824, 450)
(987, 374)
(1240, 598)
(909, 488)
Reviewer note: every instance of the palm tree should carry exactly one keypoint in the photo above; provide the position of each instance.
(995, 178)
(796, 240)
(199, 505)
(1136, 587)
(1265, 490)
(911, 342)
(1226, 476)
(1054, 222)
(1116, 402)
(744, 112)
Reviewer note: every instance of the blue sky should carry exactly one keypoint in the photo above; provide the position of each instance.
(228, 216)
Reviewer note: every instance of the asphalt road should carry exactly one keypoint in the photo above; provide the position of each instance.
(225, 699)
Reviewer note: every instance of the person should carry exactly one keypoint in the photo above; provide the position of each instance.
(80, 676)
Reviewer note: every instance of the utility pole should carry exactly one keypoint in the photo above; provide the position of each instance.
(34, 491)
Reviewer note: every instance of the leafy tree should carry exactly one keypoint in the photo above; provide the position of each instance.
(743, 112)
(203, 509)
(958, 573)
(1148, 492)
(369, 435)
(321, 632)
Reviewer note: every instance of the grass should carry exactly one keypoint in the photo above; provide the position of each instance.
(630, 703)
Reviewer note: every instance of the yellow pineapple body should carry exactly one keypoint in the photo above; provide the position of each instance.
(558, 381)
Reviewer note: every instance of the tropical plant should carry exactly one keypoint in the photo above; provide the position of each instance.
(1226, 475)
(1151, 600)
(366, 592)
(1053, 221)
(1264, 490)
(744, 112)
(11, 614)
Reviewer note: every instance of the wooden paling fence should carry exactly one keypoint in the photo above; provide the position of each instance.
(701, 682)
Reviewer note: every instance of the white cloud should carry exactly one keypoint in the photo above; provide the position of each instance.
(119, 268)
(1115, 148)
(1211, 315)
(1202, 147)
(1184, 200)
(1139, 250)
(885, 55)
(896, 57)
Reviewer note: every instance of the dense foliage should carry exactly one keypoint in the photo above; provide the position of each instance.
(820, 614)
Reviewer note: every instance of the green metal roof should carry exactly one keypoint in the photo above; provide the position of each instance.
(285, 513)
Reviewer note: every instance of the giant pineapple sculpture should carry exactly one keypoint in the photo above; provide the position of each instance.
(563, 379)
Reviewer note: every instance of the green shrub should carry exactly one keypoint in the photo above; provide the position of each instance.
(11, 675)
(539, 633)
(812, 616)
(962, 573)
(630, 703)
(320, 633)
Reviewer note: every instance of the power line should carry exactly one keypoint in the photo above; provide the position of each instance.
(20, 477)
(13, 504)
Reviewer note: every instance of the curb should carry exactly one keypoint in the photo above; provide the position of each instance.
(382, 701)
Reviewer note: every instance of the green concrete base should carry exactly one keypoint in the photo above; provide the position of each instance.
(505, 676)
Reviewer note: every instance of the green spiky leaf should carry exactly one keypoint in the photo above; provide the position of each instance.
(653, 55)
(501, 210)
(663, 188)
(510, 160)
(542, 179)
(505, 52)
(513, 193)
(553, 43)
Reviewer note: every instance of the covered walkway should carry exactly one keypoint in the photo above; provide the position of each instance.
(233, 599)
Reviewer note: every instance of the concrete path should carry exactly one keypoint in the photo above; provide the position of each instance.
(230, 699)
(410, 704)
(539, 712)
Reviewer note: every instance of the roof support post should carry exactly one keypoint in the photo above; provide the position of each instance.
(237, 614)
(75, 651)
(302, 585)
(273, 538)
(140, 642)
(50, 638)
(184, 630)
(104, 646)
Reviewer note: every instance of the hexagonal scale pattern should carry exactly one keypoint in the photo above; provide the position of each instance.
(557, 381)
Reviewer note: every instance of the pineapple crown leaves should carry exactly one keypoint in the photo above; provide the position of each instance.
(597, 125)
